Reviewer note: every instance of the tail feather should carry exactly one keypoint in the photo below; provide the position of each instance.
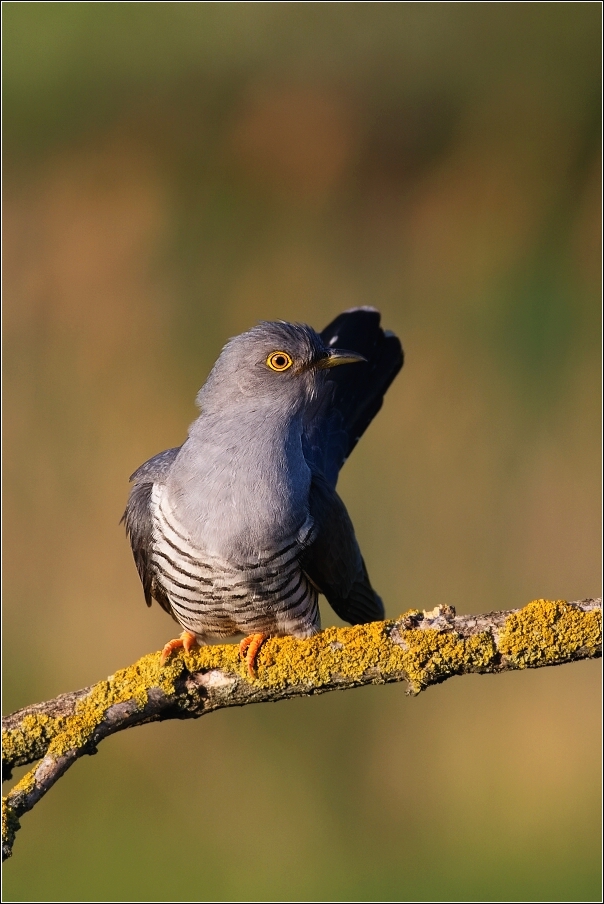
(358, 390)
(361, 606)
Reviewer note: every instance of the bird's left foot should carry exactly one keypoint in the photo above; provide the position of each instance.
(186, 641)
(249, 649)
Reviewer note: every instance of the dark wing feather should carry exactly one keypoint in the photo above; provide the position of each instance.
(333, 561)
(357, 390)
(137, 519)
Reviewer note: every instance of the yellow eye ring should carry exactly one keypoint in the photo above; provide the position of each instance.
(279, 361)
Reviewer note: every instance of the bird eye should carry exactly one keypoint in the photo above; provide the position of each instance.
(279, 361)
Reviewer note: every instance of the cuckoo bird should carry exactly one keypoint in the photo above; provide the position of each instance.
(240, 529)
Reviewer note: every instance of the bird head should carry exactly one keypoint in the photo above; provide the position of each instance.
(274, 362)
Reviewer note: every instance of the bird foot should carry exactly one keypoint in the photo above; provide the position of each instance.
(249, 649)
(186, 641)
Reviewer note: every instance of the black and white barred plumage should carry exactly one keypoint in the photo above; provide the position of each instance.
(212, 596)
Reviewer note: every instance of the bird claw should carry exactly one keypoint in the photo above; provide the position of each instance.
(249, 649)
(186, 641)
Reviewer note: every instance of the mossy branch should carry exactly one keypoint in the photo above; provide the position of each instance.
(421, 648)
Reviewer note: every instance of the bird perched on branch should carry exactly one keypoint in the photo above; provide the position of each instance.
(239, 529)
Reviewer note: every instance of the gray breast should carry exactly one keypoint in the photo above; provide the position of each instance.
(214, 597)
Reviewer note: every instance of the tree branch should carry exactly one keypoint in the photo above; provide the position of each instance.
(421, 648)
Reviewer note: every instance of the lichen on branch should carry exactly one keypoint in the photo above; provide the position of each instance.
(421, 648)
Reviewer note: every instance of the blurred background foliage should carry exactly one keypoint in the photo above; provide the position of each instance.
(175, 172)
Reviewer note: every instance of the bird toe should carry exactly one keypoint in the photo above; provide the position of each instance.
(186, 641)
(249, 649)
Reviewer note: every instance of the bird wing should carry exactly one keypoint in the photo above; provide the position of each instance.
(139, 524)
(356, 393)
(156, 468)
(333, 561)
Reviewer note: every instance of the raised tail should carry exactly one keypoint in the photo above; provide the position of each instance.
(358, 390)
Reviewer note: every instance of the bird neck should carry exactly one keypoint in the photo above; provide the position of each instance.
(255, 431)
(242, 481)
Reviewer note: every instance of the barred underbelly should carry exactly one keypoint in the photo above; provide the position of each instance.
(211, 597)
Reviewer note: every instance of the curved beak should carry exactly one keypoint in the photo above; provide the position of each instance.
(337, 356)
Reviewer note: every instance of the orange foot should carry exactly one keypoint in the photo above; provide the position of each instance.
(248, 650)
(186, 641)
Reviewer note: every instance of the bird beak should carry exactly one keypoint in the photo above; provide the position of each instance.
(337, 356)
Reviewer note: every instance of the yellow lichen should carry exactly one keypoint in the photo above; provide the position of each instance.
(352, 654)
(10, 825)
(345, 652)
(133, 683)
(433, 655)
(39, 733)
(224, 657)
(544, 631)
(127, 684)
(24, 785)
(31, 738)
(547, 631)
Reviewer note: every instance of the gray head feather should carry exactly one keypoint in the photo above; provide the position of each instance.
(242, 373)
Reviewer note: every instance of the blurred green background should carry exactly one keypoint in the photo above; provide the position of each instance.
(175, 172)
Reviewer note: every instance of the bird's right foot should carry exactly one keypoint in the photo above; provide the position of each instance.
(186, 641)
